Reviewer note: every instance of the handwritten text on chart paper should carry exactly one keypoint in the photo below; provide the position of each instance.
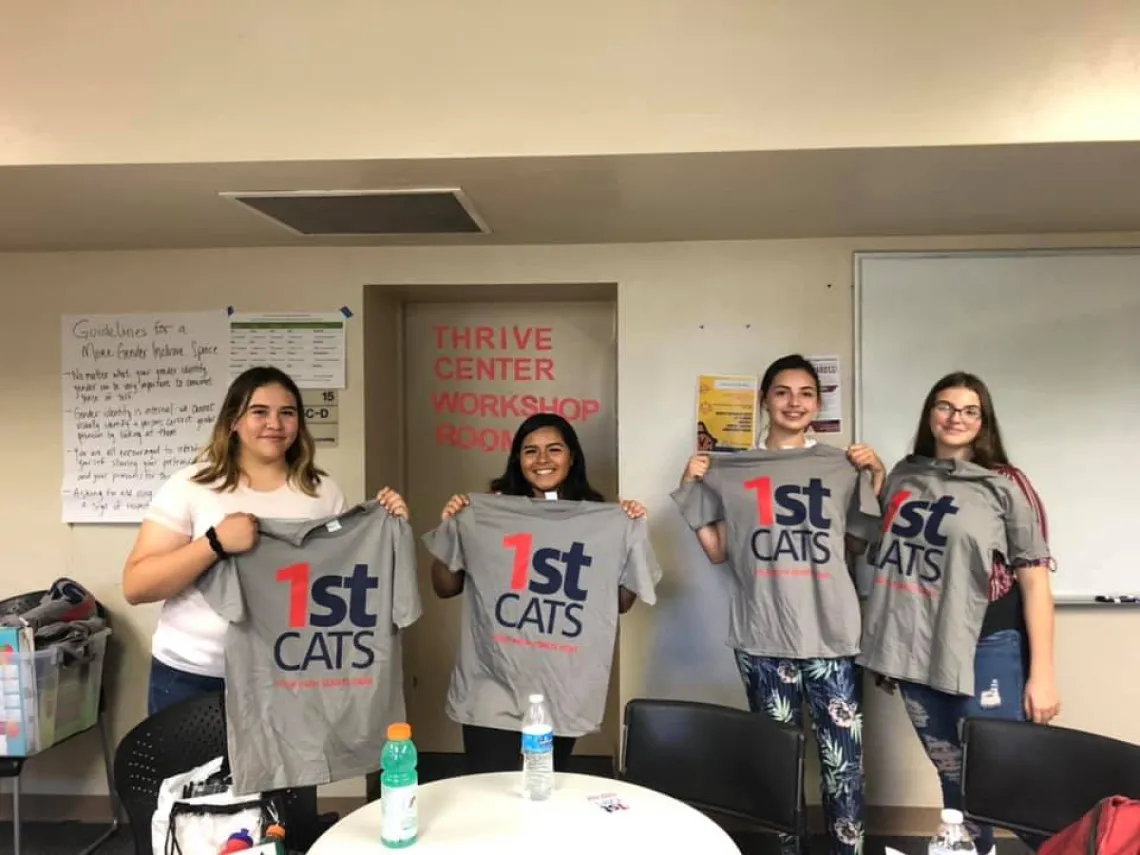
(140, 396)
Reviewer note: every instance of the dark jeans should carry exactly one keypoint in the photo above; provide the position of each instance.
(169, 686)
(999, 690)
(489, 749)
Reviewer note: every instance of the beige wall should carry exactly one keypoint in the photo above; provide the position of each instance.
(797, 295)
(126, 82)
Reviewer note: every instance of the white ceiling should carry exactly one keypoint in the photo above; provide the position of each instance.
(1081, 187)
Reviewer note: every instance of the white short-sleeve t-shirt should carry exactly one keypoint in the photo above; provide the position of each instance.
(190, 635)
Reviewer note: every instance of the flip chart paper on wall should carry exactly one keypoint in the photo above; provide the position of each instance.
(140, 395)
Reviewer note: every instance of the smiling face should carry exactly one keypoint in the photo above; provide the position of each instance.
(955, 420)
(792, 401)
(545, 459)
(269, 426)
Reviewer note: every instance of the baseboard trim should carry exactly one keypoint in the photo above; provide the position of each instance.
(35, 807)
(886, 821)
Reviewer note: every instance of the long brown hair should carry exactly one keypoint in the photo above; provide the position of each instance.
(987, 448)
(222, 468)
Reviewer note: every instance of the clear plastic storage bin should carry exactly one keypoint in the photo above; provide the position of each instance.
(48, 695)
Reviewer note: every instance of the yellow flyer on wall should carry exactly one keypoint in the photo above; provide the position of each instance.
(726, 412)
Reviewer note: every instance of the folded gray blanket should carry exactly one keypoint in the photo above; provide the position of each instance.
(66, 600)
(66, 617)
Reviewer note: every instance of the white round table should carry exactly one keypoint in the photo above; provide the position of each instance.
(487, 813)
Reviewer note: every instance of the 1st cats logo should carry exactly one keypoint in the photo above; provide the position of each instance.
(547, 588)
(792, 522)
(915, 545)
(336, 630)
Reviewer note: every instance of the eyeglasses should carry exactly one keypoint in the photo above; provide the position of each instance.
(969, 414)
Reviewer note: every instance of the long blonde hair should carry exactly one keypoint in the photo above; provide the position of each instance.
(221, 466)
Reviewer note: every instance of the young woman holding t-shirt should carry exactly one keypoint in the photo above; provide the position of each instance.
(546, 460)
(778, 516)
(961, 560)
(259, 463)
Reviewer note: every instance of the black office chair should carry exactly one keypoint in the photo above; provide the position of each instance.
(718, 759)
(178, 739)
(1038, 780)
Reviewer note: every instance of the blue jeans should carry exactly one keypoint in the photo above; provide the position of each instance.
(834, 692)
(999, 691)
(169, 686)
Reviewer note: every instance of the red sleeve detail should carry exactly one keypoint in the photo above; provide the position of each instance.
(1000, 577)
(1019, 478)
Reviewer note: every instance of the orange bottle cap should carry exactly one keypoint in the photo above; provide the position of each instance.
(399, 731)
(275, 831)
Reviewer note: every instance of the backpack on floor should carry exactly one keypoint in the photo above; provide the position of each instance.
(1110, 828)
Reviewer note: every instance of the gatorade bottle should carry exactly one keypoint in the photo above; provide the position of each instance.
(399, 813)
(274, 840)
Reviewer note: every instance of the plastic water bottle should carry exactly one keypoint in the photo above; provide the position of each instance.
(952, 836)
(399, 813)
(538, 750)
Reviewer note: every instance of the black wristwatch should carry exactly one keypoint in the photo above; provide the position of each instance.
(215, 544)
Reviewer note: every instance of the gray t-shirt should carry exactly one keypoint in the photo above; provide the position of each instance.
(943, 522)
(314, 669)
(786, 514)
(540, 608)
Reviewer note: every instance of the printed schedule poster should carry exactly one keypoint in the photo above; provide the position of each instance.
(726, 412)
(831, 395)
(307, 346)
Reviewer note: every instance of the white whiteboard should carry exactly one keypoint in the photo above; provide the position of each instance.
(1056, 337)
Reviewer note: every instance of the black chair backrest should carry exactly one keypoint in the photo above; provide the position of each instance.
(723, 760)
(176, 740)
(1027, 777)
(168, 743)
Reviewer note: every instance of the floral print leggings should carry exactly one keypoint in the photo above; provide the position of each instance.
(833, 689)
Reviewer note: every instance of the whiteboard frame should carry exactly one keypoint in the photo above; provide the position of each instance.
(859, 256)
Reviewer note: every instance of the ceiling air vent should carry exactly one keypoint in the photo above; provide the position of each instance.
(348, 213)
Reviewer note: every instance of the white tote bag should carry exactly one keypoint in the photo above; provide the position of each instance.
(200, 825)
